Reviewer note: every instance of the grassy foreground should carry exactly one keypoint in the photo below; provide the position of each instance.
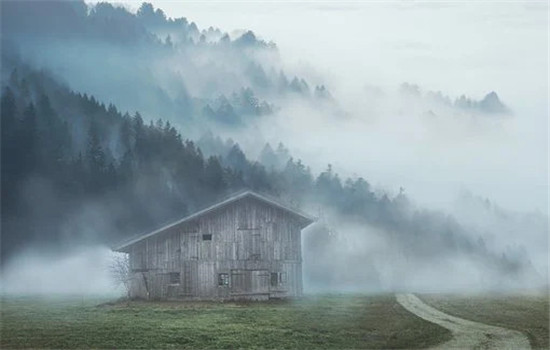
(527, 313)
(372, 322)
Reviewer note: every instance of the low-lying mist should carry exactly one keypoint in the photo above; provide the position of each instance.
(84, 270)
(338, 256)
(366, 259)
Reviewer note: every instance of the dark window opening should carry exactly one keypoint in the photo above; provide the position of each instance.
(207, 237)
(223, 279)
(278, 279)
(274, 279)
(174, 277)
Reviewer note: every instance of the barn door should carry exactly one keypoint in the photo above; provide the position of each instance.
(249, 281)
(256, 240)
(239, 281)
(260, 281)
(190, 277)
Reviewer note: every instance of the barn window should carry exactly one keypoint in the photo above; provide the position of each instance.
(207, 237)
(223, 279)
(278, 278)
(174, 277)
(274, 279)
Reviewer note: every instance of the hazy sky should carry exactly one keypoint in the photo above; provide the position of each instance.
(459, 48)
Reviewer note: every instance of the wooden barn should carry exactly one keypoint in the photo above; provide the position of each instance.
(245, 247)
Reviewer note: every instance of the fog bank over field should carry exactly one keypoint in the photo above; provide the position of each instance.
(80, 271)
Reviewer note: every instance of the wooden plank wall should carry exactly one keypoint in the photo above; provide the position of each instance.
(247, 235)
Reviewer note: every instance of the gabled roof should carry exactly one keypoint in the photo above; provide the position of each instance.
(306, 219)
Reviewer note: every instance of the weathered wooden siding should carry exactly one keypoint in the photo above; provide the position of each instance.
(250, 240)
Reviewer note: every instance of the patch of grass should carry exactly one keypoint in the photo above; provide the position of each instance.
(527, 313)
(337, 321)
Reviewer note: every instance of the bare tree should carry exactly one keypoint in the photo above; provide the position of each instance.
(120, 271)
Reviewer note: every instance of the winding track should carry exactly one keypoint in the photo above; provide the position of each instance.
(466, 334)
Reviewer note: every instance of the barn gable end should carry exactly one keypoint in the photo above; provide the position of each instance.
(246, 247)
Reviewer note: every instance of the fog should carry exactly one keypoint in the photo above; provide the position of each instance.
(501, 252)
(395, 73)
(432, 156)
(83, 270)
(455, 48)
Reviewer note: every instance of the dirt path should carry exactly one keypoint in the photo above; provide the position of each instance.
(466, 334)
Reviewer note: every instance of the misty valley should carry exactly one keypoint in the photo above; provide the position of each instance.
(156, 171)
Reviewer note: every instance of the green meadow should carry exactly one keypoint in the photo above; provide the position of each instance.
(332, 321)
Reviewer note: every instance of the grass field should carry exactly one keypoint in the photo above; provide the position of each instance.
(373, 322)
(527, 313)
